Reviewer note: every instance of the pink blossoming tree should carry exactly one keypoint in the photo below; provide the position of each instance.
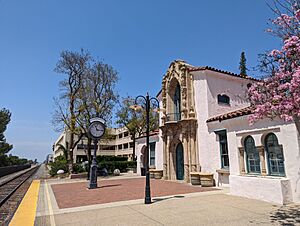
(279, 94)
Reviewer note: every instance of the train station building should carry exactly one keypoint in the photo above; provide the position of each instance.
(204, 127)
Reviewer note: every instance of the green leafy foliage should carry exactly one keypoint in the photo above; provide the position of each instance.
(64, 149)
(108, 158)
(78, 168)
(243, 67)
(7, 160)
(88, 90)
(135, 120)
(12, 160)
(4, 120)
(112, 165)
(60, 163)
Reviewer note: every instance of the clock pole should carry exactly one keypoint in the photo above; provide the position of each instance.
(93, 170)
(96, 131)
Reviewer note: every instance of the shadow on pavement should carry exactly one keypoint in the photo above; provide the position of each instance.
(109, 185)
(287, 215)
(171, 197)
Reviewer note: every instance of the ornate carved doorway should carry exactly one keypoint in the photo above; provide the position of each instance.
(179, 123)
(179, 162)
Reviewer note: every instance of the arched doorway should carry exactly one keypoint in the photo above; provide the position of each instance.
(143, 161)
(179, 162)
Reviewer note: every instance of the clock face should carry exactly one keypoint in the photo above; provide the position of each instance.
(97, 129)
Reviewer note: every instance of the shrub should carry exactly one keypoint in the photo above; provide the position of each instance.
(131, 164)
(112, 165)
(108, 158)
(60, 162)
(78, 168)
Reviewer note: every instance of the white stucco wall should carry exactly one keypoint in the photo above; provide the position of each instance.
(237, 130)
(207, 85)
(138, 148)
(268, 189)
(206, 159)
(218, 83)
(141, 142)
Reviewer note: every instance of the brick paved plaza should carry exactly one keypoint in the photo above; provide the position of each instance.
(76, 194)
(120, 202)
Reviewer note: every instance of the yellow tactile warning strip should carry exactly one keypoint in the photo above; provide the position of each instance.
(26, 211)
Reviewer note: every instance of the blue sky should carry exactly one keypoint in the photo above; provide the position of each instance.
(138, 38)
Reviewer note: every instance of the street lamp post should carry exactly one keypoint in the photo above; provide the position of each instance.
(147, 105)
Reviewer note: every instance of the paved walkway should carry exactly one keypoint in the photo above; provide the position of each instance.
(173, 204)
(117, 190)
(215, 207)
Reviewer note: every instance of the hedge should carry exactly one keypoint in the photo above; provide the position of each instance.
(112, 165)
(108, 158)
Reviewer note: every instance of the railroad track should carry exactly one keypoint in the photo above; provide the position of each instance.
(8, 188)
(11, 194)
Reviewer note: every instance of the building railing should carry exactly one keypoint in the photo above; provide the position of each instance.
(173, 117)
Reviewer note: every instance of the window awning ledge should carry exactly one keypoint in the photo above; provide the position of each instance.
(223, 171)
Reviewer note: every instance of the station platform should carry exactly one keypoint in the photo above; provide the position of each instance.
(60, 197)
(120, 201)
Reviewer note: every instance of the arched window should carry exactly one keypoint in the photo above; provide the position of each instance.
(252, 156)
(177, 102)
(274, 155)
(223, 99)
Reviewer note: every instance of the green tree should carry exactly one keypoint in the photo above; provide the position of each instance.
(97, 97)
(243, 67)
(88, 91)
(135, 121)
(4, 146)
(73, 66)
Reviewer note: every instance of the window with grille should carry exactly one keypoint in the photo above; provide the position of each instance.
(274, 155)
(152, 154)
(252, 156)
(223, 149)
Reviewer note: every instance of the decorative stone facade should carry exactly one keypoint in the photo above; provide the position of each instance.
(203, 130)
(182, 129)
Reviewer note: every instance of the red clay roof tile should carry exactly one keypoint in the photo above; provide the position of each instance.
(192, 68)
(233, 114)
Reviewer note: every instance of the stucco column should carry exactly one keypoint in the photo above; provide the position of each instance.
(193, 152)
(168, 174)
(186, 158)
(241, 160)
(262, 159)
(165, 151)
